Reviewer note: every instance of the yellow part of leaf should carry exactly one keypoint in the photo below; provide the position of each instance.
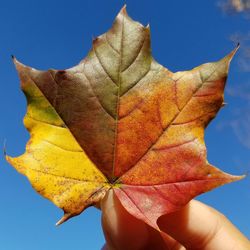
(55, 164)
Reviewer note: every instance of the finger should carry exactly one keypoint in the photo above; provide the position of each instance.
(198, 226)
(123, 231)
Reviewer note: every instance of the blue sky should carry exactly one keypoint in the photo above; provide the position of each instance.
(57, 34)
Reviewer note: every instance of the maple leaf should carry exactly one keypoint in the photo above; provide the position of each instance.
(119, 120)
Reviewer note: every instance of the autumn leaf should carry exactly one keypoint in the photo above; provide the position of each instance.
(119, 120)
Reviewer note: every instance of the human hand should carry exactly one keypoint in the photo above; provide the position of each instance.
(195, 226)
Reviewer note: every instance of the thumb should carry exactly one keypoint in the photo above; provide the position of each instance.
(199, 226)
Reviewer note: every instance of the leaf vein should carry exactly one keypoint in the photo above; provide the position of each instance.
(136, 82)
(174, 145)
(137, 55)
(110, 45)
(51, 124)
(96, 96)
(143, 213)
(103, 67)
(63, 177)
(62, 148)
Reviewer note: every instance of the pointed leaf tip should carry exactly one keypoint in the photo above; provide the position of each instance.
(240, 177)
(15, 61)
(237, 177)
(223, 104)
(19, 66)
(95, 40)
(235, 50)
(65, 217)
(228, 58)
(148, 27)
(123, 10)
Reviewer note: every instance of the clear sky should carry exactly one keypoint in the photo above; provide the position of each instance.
(57, 34)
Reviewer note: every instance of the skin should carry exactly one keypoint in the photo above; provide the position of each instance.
(195, 227)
